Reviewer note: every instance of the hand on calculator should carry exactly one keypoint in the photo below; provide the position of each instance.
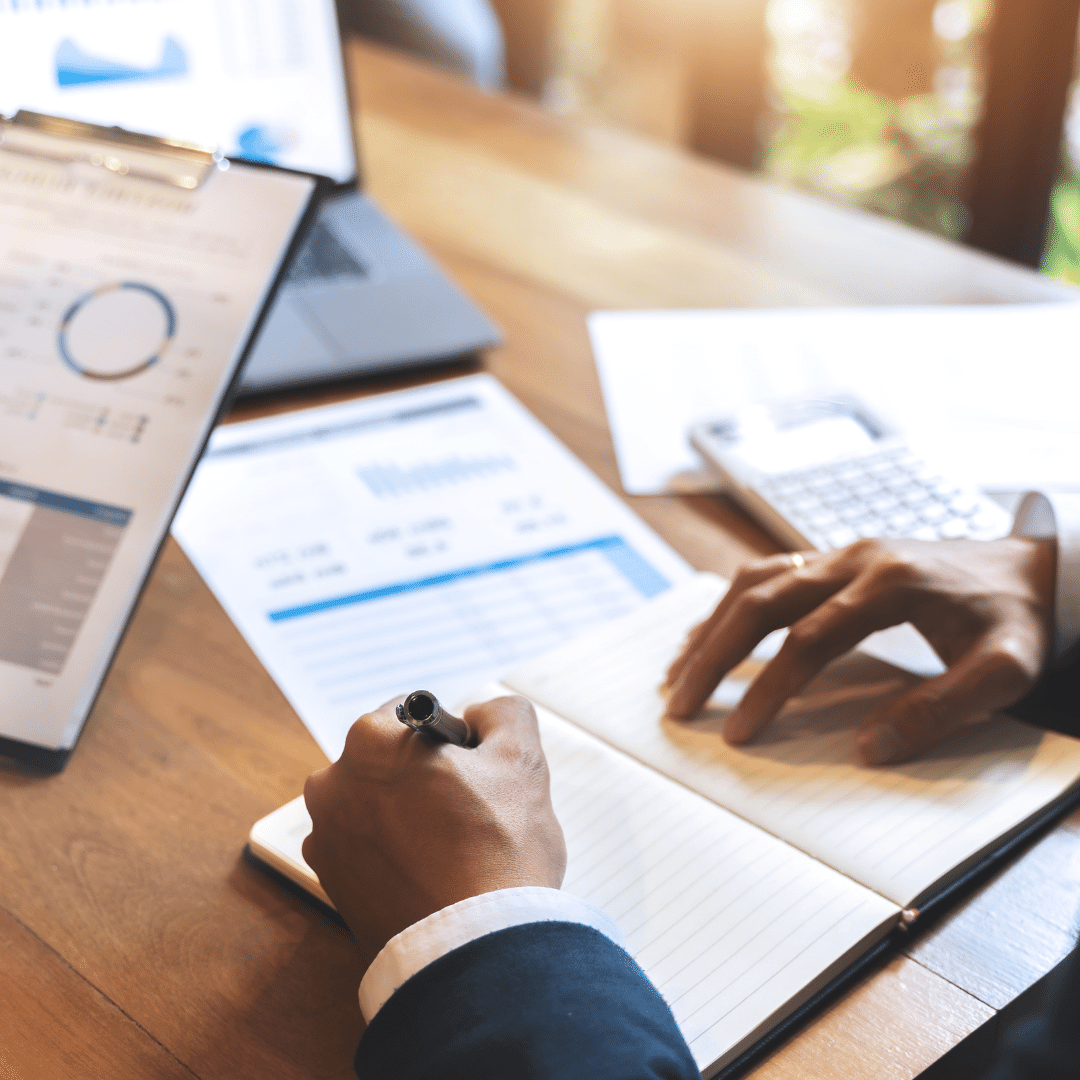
(984, 606)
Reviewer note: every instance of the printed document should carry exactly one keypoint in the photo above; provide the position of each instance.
(989, 392)
(431, 538)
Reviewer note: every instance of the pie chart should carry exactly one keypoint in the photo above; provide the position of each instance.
(116, 331)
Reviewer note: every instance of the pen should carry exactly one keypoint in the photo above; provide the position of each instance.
(422, 712)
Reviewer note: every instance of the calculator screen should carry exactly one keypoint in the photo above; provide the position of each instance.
(771, 443)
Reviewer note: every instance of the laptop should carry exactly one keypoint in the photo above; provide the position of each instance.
(263, 81)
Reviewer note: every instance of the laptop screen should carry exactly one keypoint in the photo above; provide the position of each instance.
(260, 79)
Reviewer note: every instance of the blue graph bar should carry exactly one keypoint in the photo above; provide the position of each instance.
(623, 557)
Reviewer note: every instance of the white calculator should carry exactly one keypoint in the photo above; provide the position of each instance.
(823, 473)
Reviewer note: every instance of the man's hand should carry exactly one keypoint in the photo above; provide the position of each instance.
(985, 607)
(404, 826)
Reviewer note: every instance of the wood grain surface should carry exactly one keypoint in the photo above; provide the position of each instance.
(134, 939)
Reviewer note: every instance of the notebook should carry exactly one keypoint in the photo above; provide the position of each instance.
(745, 880)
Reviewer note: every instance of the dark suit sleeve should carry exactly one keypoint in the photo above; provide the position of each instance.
(543, 1001)
(1047, 1047)
(1055, 701)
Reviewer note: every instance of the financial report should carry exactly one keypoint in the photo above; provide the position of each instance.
(429, 539)
(124, 308)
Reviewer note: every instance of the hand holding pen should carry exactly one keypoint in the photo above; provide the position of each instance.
(403, 827)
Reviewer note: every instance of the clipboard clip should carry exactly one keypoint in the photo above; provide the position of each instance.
(123, 153)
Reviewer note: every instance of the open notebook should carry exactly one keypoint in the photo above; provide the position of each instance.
(746, 879)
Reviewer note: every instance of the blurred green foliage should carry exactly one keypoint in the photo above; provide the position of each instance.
(1063, 248)
(901, 158)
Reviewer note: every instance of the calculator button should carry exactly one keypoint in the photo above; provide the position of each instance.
(953, 529)
(900, 524)
(881, 503)
(892, 477)
(987, 522)
(924, 532)
(934, 513)
(870, 529)
(841, 537)
(965, 504)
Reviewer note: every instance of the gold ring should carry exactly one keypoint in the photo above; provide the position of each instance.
(797, 561)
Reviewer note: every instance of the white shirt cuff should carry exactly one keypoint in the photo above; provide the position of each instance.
(1058, 515)
(424, 942)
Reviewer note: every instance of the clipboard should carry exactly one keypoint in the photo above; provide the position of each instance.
(135, 273)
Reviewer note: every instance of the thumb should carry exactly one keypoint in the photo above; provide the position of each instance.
(992, 674)
(505, 720)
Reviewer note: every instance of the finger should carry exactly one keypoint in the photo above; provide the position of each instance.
(759, 611)
(993, 674)
(505, 721)
(750, 575)
(315, 792)
(376, 736)
(830, 630)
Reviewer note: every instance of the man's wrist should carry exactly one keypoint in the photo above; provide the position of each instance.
(425, 941)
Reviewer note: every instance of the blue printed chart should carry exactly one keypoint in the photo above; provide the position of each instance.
(462, 628)
(430, 539)
(116, 331)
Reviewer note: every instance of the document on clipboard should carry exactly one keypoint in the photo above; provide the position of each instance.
(133, 274)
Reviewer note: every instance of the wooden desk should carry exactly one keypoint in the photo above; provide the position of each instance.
(134, 942)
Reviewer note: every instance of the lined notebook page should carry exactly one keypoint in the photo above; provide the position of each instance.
(733, 926)
(900, 831)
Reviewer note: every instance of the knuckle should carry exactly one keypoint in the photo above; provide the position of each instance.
(803, 636)
(929, 714)
(749, 573)
(752, 604)
(892, 572)
(814, 629)
(357, 732)
(313, 796)
(807, 640)
(1007, 670)
(867, 550)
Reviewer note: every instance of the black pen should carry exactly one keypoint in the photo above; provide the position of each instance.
(422, 712)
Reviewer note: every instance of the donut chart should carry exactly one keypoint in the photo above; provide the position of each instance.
(116, 331)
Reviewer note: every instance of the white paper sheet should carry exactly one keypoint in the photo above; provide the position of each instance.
(429, 538)
(989, 392)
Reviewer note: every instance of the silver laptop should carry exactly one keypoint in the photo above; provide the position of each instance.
(265, 81)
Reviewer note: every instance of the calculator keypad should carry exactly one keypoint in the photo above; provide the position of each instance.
(890, 493)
